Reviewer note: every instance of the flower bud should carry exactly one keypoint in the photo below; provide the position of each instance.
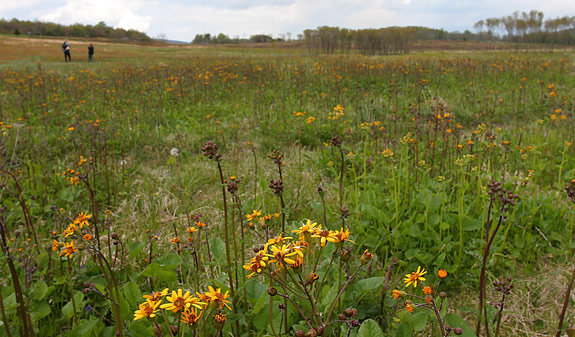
(348, 312)
(320, 330)
(219, 321)
(366, 257)
(272, 291)
(355, 323)
(311, 277)
(344, 255)
(299, 333)
(311, 333)
(174, 329)
(342, 317)
(458, 331)
(442, 295)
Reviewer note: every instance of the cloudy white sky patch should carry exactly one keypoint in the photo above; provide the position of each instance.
(183, 19)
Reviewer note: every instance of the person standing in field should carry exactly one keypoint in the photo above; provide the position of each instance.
(66, 50)
(90, 53)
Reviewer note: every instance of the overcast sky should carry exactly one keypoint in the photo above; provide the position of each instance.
(182, 20)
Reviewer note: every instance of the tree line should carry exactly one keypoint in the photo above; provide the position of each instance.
(25, 27)
(382, 41)
(528, 27)
(222, 38)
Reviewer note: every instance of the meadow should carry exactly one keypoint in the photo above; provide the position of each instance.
(165, 191)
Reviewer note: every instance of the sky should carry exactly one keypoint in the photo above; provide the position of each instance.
(182, 20)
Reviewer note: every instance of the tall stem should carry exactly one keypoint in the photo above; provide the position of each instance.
(227, 242)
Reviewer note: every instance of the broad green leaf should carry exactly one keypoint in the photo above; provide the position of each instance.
(370, 283)
(141, 328)
(135, 248)
(218, 249)
(455, 321)
(66, 194)
(369, 328)
(172, 260)
(40, 310)
(84, 328)
(68, 309)
(132, 293)
(404, 330)
(419, 321)
(160, 273)
(39, 290)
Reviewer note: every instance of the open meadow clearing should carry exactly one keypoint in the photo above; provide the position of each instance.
(195, 191)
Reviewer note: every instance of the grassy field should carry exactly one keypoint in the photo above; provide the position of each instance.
(180, 167)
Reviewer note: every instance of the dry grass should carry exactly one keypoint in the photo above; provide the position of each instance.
(534, 305)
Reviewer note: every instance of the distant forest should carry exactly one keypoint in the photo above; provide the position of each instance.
(519, 27)
(21, 27)
(524, 27)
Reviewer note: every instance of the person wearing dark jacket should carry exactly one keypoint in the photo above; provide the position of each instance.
(90, 53)
(66, 50)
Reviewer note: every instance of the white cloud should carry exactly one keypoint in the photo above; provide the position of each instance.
(116, 13)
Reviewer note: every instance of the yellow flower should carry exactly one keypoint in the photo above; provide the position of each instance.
(156, 295)
(306, 231)
(179, 301)
(409, 307)
(69, 230)
(69, 249)
(255, 213)
(82, 219)
(216, 296)
(55, 245)
(398, 293)
(190, 316)
(415, 277)
(147, 309)
(324, 236)
(256, 263)
(339, 237)
(283, 254)
(219, 321)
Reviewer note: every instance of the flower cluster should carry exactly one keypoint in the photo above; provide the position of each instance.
(75, 228)
(190, 308)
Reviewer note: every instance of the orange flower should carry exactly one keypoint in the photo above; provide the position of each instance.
(442, 273)
(427, 290)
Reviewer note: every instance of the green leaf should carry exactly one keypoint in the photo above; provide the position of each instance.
(255, 290)
(141, 329)
(369, 328)
(160, 273)
(455, 321)
(126, 311)
(40, 310)
(68, 309)
(39, 290)
(370, 283)
(132, 293)
(419, 321)
(66, 194)
(404, 330)
(259, 305)
(470, 224)
(84, 328)
(218, 248)
(329, 296)
(172, 260)
(135, 248)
